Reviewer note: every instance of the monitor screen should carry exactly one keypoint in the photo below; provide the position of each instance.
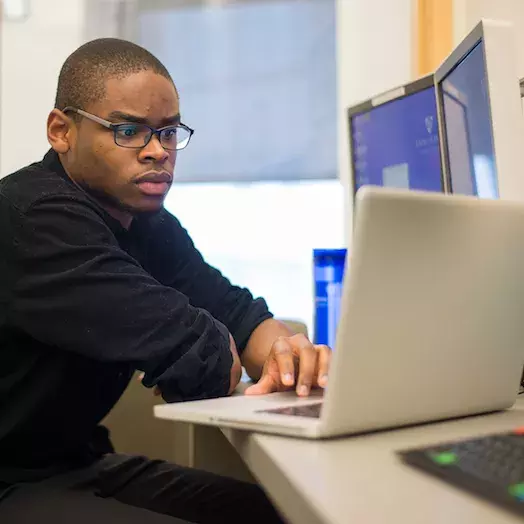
(468, 129)
(396, 144)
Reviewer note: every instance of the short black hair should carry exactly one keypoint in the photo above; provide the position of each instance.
(84, 74)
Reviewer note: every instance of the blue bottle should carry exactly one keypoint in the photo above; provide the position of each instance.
(328, 268)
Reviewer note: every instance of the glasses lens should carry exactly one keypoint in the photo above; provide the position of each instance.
(174, 137)
(132, 135)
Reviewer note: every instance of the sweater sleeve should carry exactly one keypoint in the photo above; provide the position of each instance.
(181, 266)
(77, 290)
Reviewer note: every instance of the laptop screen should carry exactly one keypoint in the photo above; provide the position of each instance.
(396, 144)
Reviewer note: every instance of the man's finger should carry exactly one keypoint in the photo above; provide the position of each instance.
(156, 389)
(324, 360)
(264, 386)
(307, 364)
(283, 352)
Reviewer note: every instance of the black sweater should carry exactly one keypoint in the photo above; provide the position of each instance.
(84, 303)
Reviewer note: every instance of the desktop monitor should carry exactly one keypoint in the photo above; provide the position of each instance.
(394, 139)
(480, 114)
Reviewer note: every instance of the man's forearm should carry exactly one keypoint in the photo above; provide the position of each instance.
(259, 345)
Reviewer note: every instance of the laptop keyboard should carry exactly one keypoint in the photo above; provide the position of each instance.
(310, 410)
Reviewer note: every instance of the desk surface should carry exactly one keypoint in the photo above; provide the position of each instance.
(360, 479)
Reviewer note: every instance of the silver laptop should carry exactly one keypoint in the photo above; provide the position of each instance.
(431, 326)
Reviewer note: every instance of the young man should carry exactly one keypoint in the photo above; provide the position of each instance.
(97, 280)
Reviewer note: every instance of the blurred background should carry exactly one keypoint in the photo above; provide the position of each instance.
(265, 84)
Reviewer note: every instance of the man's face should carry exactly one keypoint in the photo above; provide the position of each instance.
(132, 180)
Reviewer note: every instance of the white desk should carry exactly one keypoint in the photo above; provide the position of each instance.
(361, 480)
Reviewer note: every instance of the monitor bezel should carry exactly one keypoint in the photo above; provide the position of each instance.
(386, 97)
(500, 62)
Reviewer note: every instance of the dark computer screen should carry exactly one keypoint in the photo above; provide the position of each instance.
(468, 129)
(397, 145)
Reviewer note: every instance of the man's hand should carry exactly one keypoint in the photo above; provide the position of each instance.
(293, 362)
(156, 389)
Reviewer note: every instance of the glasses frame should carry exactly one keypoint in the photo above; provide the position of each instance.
(115, 127)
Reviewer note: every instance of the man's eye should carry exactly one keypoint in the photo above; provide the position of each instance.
(170, 134)
(128, 131)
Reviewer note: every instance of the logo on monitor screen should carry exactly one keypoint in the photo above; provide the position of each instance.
(431, 139)
(429, 124)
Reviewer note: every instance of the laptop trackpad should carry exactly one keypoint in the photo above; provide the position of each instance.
(309, 410)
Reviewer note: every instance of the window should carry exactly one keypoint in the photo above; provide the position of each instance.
(261, 235)
(257, 81)
(257, 188)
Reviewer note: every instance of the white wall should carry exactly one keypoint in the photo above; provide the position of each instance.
(374, 54)
(467, 14)
(32, 54)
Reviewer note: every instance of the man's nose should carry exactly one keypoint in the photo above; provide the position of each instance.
(154, 150)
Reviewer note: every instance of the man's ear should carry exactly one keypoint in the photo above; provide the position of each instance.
(60, 131)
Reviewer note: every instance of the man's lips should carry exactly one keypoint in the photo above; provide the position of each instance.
(154, 183)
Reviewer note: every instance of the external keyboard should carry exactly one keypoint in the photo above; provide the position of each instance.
(491, 467)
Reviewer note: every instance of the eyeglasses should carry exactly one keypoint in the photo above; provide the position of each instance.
(137, 136)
